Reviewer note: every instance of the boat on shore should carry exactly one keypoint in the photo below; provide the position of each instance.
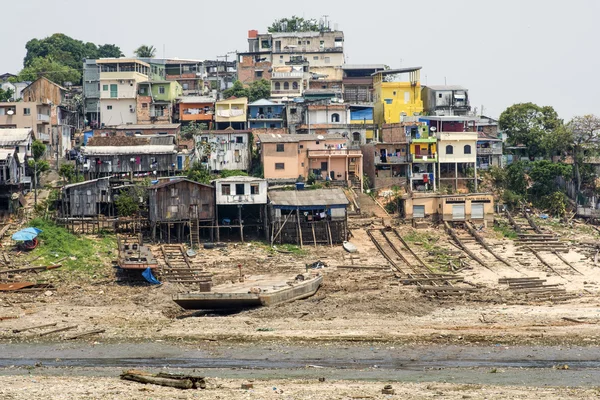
(254, 291)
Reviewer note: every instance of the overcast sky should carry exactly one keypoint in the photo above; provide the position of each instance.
(503, 51)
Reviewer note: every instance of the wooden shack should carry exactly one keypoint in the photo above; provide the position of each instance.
(87, 199)
(131, 156)
(180, 210)
(309, 216)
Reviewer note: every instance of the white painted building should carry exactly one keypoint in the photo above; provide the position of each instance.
(224, 150)
(240, 190)
(457, 160)
(119, 78)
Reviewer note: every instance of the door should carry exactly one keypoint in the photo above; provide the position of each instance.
(417, 150)
(418, 211)
(476, 211)
(458, 212)
(180, 163)
(194, 211)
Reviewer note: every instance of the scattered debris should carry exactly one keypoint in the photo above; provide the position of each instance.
(88, 333)
(388, 389)
(66, 328)
(34, 327)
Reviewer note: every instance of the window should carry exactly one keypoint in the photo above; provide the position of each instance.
(449, 149)
(324, 166)
(406, 97)
(239, 139)
(226, 189)
(286, 86)
(143, 90)
(280, 147)
(388, 101)
(240, 188)
(439, 95)
(114, 91)
(254, 189)
(308, 42)
(185, 86)
(173, 192)
(295, 85)
(258, 74)
(277, 86)
(418, 211)
(279, 165)
(467, 149)
(327, 60)
(27, 111)
(299, 41)
(315, 57)
(105, 88)
(335, 117)
(173, 209)
(161, 89)
(292, 111)
(144, 105)
(109, 107)
(301, 146)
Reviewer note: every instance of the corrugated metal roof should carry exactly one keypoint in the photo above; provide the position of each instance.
(130, 127)
(174, 181)
(93, 181)
(363, 66)
(317, 197)
(397, 71)
(446, 87)
(5, 153)
(162, 140)
(14, 136)
(121, 150)
(264, 102)
(290, 138)
(196, 99)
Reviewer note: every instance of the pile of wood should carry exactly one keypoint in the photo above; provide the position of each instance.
(536, 289)
(429, 279)
(542, 242)
(446, 291)
(179, 381)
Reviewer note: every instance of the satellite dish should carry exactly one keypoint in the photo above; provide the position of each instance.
(433, 129)
(320, 137)
(10, 112)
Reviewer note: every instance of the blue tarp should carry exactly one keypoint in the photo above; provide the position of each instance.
(27, 234)
(361, 115)
(147, 274)
(86, 136)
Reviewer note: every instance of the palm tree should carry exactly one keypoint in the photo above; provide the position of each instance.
(145, 51)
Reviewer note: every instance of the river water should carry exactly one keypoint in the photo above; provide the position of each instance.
(497, 365)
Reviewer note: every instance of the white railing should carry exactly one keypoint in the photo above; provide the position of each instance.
(284, 75)
(43, 117)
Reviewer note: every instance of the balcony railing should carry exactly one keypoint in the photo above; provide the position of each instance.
(289, 92)
(267, 117)
(44, 137)
(423, 139)
(158, 113)
(423, 158)
(393, 160)
(420, 175)
(43, 117)
(489, 151)
(303, 49)
(287, 75)
(334, 152)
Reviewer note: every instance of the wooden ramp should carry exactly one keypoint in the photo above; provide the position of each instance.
(177, 268)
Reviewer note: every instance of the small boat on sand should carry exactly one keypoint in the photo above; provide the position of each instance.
(349, 247)
(254, 291)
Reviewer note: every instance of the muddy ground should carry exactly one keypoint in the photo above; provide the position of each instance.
(353, 305)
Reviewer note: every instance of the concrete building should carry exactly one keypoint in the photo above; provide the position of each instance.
(477, 207)
(18, 139)
(265, 114)
(190, 74)
(137, 130)
(199, 109)
(241, 203)
(224, 149)
(446, 100)
(457, 161)
(489, 151)
(397, 95)
(16, 87)
(27, 115)
(286, 157)
(156, 100)
(423, 157)
(231, 113)
(119, 78)
(358, 82)
(291, 80)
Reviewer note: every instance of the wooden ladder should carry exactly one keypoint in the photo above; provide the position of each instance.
(195, 233)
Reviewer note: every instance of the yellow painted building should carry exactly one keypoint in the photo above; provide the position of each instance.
(397, 94)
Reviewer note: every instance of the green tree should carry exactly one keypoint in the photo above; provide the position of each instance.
(237, 90)
(52, 70)
(294, 24)
(192, 129)
(259, 90)
(6, 95)
(199, 173)
(109, 51)
(38, 149)
(145, 51)
(584, 133)
(61, 47)
(129, 201)
(528, 124)
(67, 172)
(543, 175)
(37, 164)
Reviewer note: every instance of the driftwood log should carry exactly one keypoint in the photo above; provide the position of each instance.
(179, 381)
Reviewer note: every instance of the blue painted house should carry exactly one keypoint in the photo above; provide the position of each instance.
(265, 114)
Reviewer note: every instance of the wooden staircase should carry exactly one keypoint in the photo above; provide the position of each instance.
(195, 233)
